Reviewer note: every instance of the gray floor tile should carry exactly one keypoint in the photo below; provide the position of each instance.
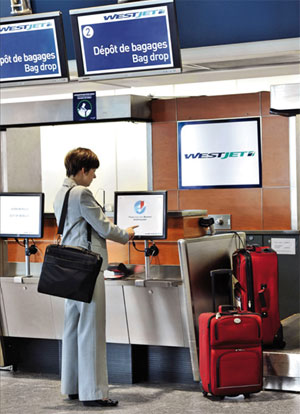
(40, 394)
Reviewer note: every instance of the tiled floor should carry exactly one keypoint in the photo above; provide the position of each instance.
(40, 394)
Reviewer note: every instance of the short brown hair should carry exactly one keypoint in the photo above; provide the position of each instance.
(79, 158)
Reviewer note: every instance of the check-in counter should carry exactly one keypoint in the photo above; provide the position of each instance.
(159, 309)
(138, 311)
(154, 317)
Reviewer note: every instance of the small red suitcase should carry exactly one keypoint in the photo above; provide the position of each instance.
(256, 269)
(230, 352)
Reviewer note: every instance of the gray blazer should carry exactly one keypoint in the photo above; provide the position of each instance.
(83, 208)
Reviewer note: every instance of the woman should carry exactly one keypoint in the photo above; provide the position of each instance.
(84, 367)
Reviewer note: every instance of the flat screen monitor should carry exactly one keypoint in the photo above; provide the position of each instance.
(21, 215)
(126, 40)
(146, 209)
(222, 153)
(33, 50)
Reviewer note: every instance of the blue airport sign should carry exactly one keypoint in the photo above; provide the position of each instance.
(120, 41)
(29, 50)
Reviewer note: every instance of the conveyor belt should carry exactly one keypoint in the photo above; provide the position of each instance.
(282, 367)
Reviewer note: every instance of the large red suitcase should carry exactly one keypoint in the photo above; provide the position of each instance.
(230, 353)
(256, 269)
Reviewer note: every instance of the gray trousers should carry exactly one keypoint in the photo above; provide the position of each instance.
(84, 367)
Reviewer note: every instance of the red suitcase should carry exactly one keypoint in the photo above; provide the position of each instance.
(256, 270)
(230, 352)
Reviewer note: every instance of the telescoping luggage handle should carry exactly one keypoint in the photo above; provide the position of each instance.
(63, 218)
(227, 308)
(219, 273)
(224, 310)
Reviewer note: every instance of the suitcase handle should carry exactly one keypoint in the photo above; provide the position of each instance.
(221, 272)
(263, 302)
(252, 247)
(227, 308)
(259, 249)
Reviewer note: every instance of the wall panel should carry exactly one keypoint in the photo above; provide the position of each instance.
(164, 110)
(275, 151)
(276, 209)
(173, 200)
(164, 155)
(265, 103)
(244, 205)
(209, 107)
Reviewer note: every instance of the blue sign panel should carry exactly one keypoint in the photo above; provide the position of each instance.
(132, 40)
(29, 50)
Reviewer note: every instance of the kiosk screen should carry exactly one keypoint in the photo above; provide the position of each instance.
(145, 209)
(21, 215)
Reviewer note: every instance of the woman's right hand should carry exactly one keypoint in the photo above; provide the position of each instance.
(130, 231)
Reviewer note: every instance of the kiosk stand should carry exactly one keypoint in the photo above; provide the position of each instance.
(149, 251)
(29, 250)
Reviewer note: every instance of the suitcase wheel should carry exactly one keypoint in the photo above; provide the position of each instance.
(247, 395)
(204, 393)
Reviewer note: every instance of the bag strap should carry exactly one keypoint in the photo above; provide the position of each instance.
(63, 218)
(63, 213)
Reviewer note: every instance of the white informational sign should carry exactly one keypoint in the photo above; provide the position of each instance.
(145, 211)
(20, 215)
(284, 245)
(220, 153)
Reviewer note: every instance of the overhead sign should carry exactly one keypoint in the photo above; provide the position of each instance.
(122, 41)
(221, 153)
(126, 38)
(32, 49)
(28, 50)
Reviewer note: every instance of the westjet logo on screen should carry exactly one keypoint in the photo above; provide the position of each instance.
(134, 14)
(25, 27)
(221, 155)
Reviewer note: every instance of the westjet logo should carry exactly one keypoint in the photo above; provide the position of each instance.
(221, 155)
(25, 27)
(134, 15)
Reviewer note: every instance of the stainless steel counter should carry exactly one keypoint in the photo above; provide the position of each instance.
(138, 311)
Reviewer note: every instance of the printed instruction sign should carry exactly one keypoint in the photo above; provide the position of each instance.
(29, 50)
(284, 245)
(84, 106)
(122, 41)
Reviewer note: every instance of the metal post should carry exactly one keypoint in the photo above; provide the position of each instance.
(147, 261)
(20, 7)
(27, 258)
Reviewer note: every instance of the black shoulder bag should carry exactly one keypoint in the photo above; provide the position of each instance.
(69, 272)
